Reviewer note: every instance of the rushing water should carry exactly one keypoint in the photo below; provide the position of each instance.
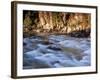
(55, 51)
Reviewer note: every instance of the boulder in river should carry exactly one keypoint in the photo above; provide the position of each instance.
(54, 47)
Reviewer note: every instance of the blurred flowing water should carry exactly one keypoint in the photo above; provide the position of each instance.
(55, 51)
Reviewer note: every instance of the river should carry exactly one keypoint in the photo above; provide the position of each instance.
(55, 51)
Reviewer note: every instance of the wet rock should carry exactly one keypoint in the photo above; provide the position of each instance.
(81, 33)
(24, 44)
(46, 42)
(54, 47)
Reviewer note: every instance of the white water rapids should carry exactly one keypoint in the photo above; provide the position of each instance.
(56, 51)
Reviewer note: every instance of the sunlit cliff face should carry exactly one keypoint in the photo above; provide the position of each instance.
(59, 22)
(78, 22)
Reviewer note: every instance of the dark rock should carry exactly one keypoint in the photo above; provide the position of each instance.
(29, 47)
(81, 33)
(24, 44)
(54, 47)
(46, 42)
(55, 62)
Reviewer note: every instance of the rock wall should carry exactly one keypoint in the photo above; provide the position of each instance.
(55, 22)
